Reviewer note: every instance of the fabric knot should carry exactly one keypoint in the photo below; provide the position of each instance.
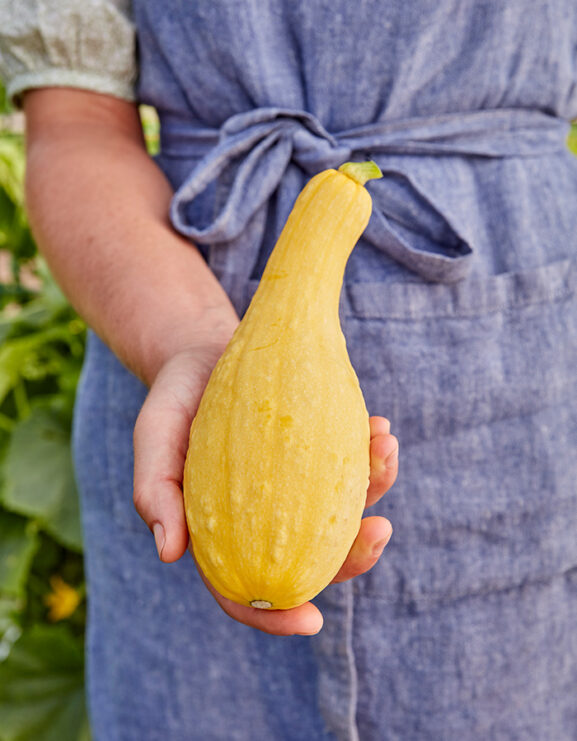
(252, 155)
(254, 151)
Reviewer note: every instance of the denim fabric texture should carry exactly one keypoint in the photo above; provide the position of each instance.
(460, 313)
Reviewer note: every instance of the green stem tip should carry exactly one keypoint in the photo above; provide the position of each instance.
(360, 172)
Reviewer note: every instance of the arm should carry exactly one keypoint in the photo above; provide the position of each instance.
(98, 207)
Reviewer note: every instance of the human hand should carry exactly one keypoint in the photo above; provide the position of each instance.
(160, 445)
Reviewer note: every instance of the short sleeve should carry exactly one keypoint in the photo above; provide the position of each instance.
(88, 44)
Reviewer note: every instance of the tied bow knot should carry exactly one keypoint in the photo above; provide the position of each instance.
(251, 153)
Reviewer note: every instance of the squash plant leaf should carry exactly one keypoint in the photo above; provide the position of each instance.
(17, 353)
(39, 478)
(18, 544)
(42, 688)
(10, 630)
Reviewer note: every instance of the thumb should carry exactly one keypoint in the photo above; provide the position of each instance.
(160, 444)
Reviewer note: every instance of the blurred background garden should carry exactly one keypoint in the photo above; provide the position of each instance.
(42, 586)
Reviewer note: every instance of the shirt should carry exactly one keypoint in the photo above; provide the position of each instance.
(87, 44)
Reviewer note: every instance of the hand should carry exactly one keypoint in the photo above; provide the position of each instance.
(160, 446)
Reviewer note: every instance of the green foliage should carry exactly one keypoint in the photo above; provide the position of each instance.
(45, 491)
(41, 688)
(14, 232)
(4, 105)
(573, 138)
(18, 544)
(150, 128)
(42, 609)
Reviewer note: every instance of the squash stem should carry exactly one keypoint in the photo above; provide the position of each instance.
(360, 172)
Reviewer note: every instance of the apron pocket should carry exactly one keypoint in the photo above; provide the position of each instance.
(479, 382)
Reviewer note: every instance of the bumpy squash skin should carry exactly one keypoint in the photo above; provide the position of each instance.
(278, 463)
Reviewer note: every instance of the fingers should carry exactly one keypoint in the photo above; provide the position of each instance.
(379, 426)
(160, 444)
(302, 620)
(384, 451)
(374, 532)
(373, 536)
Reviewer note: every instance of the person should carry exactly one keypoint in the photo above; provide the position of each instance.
(460, 317)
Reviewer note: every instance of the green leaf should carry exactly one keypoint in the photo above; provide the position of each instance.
(151, 128)
(573, 138)
(4, 103)
(12, 166)
(39, 477)
(42, 688)
(47, 309)
(9, 624)
(17, 352)
(18, 544)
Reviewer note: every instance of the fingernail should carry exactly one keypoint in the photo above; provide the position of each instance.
(159, 537)
(312, 631)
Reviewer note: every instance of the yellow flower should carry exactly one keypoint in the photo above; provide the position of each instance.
(63, 599)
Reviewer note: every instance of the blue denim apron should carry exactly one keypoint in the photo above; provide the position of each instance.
(460, 314)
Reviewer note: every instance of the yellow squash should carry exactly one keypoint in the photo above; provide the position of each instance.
(278, 462)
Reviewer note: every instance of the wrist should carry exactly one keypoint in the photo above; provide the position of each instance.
(202, 334)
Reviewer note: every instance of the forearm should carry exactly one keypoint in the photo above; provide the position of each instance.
(99, 210)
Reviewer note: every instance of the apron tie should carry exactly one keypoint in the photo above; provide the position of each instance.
(251, 153)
